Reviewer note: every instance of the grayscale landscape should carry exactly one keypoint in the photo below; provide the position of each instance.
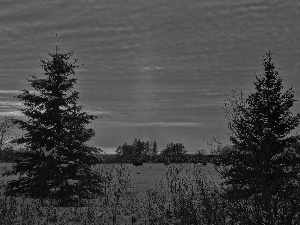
(150, 112)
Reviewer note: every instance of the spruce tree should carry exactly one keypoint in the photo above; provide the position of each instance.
(57, 164)
(264, 160)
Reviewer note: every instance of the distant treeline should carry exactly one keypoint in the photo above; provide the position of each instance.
(189, 158)
(147, 152)
(139, 151)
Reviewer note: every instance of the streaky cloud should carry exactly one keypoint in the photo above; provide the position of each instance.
(11, 103)
(14, 92)
(152, 124)
(11, 113)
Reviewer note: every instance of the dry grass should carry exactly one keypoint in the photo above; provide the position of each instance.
(143, 195)
(151, 194)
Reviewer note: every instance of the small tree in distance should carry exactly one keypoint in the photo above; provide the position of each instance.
(57, 163)
(174, 153)
(263, 161)
(200, 155)
(138, 151)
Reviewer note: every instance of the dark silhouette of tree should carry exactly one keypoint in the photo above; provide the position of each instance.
(125, 153)
(138, 151)
(154, 148)
(147, 152)
(153, 151)
(174, 153)
(199, 156)
(57, 164)
(263, 161)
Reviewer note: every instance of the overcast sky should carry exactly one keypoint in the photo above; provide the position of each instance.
(152, 69)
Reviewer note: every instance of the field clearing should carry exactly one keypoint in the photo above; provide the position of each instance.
(146, 177)
(149, 175)
(139, 185)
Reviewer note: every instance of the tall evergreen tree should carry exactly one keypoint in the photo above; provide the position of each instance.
(263, 160)
(58, 163)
